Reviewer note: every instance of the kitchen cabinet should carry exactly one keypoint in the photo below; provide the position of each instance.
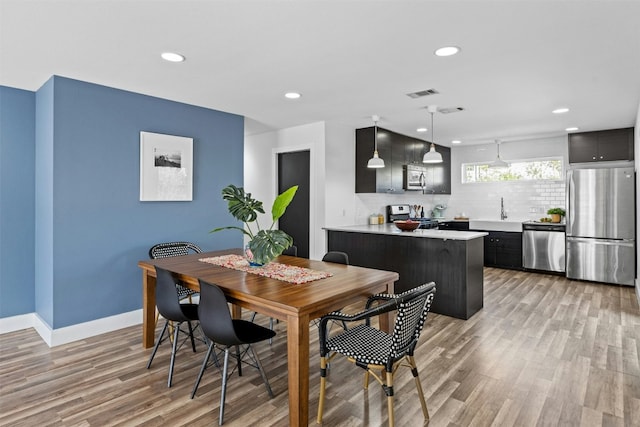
(503, 249)
(599, 146)
(397, 150)
(438, 176)
(454, 265)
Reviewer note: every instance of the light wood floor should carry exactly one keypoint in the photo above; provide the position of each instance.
(544, 351)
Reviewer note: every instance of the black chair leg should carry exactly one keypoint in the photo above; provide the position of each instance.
(155, 348)
(239, 359)
(174, 349)
(223, 393)
(261, 370)
(193, 342)
(202, 369)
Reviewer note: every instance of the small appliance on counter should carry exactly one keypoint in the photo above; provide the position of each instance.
(403, 213)
(438, 211)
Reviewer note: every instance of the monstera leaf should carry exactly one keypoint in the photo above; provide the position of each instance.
(241, 205)
(268, 244)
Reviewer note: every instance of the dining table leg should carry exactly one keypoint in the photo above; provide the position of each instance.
(148, 309)
(298, 362)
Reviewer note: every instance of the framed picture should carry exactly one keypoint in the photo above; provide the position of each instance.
(166, 167)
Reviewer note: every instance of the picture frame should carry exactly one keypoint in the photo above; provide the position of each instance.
(166, 167)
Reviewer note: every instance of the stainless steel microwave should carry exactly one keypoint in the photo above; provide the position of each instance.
(414, 177)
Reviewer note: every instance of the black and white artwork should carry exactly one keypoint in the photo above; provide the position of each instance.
(166, 167)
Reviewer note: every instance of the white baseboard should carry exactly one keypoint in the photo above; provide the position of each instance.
(54, 337)
(16, 323)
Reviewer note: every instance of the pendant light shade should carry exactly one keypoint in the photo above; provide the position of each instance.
(432, 156)
(375, 161)
(498, 162)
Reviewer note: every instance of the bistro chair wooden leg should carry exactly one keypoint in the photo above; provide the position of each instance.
(389, 392)
(323, 374)
(414, 371)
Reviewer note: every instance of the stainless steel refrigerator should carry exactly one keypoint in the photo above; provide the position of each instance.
(601, 225)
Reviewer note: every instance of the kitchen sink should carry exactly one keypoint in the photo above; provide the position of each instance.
(495, 225)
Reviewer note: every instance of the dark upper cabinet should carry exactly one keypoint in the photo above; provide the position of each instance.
(397, 150)
(438, 176)
(601, 146)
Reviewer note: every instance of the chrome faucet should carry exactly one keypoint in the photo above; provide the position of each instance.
(503, 214)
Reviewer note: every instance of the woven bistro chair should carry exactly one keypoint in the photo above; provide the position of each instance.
(171, 249)
(379, 353)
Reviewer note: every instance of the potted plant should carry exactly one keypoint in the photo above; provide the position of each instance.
(264, 244)
(556, 214)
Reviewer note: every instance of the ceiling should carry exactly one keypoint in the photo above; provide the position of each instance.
(348, 59)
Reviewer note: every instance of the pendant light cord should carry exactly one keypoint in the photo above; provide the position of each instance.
(432, 131)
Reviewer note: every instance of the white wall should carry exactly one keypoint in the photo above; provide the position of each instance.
(260, 172)
(636, 149)
(482, 200)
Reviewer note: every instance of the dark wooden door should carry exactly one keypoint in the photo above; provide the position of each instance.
(293, 169)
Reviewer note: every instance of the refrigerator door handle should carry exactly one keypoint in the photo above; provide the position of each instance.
(609, 242)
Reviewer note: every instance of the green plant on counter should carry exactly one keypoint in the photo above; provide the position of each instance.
(556, 211)
(264, 244)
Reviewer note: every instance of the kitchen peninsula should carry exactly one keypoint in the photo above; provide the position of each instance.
(452, 259)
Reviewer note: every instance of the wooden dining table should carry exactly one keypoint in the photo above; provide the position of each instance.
(296, 304)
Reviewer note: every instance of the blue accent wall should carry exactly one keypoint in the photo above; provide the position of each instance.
(91, 228)
(17, 198)
(44, 203)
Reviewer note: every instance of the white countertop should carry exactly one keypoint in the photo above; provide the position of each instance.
(393, 230)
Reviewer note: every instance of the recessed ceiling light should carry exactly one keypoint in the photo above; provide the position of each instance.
(560, 110)
(447, 51)
(172, 57)
(455, 141)
(571, 129)
(421, 130)
(292, 95)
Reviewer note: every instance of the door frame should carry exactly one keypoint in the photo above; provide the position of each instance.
(313, 196)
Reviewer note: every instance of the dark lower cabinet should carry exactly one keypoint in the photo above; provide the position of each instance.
(503, 249)
(454, 265)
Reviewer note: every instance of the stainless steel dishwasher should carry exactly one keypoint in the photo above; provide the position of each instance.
(543, 246)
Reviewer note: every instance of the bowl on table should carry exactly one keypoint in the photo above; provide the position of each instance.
(407, 225)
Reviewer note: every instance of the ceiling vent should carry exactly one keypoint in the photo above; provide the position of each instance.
(449, 110)
(422, 93)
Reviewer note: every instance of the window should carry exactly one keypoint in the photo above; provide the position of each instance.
(523, 170)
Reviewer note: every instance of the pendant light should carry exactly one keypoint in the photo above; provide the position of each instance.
(375, 161)
(498, 162)
(432, 156)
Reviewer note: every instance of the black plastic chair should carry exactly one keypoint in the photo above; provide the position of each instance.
(337, 257)
(291, 251)
(221, 329)
(171, 249)
(375, 351)
(170, 308)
